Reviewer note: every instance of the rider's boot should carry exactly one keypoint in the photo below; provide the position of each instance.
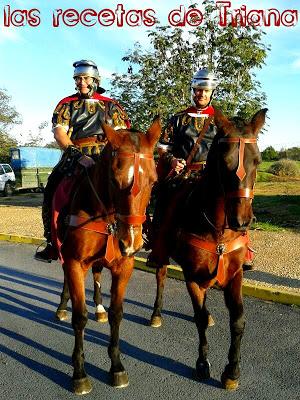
(49, 253)
(248, 263)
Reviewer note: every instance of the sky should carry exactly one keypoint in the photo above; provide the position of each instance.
(36, 61)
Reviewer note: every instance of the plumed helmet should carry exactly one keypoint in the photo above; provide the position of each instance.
(88, 68)
(204, 79)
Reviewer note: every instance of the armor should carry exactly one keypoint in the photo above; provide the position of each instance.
(182, 132)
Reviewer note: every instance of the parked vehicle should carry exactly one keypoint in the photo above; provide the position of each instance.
(33, 165)
(7, 180)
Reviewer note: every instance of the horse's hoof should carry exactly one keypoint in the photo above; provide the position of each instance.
(211, 321)
(82, 386)
(119, 379)
(156, 322)
(101, 317)
(61, 315)
(229, 384)
(203, 369)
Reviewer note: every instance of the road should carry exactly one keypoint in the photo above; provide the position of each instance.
(35, 350)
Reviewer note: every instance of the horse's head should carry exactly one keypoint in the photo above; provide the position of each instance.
(132, 175)
(236, 158)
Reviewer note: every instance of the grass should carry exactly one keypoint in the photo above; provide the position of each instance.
(277, 206)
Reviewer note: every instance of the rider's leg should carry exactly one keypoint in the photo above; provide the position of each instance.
(50, 252)
(248, 263)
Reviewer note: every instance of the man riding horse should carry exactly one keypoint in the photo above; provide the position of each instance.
(183, 149)
(77, 129)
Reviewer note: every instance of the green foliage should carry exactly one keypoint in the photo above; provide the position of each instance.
(8, 118)
(292, 153)
(284, 168)
(160, 82)
(270, 154)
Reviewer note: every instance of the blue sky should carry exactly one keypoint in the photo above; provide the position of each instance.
(36, 62)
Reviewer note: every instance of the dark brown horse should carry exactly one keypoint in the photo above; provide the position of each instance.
(105, 228)
(205, 231)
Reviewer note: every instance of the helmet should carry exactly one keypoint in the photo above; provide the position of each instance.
(89, 68)
(204, 79)
(86, 67)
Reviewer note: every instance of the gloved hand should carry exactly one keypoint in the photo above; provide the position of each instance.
(178, 164)
(86, 161)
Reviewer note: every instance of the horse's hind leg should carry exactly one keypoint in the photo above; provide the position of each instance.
(234, 302)
(61, 312)
(198, 297)
(120, 277)
(75, 277)
(156, 319)
(100, 313)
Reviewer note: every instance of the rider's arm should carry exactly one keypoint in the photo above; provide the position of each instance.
(167, 139)
(61, 137)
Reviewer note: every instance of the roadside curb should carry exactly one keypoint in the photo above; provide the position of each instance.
(253, 289)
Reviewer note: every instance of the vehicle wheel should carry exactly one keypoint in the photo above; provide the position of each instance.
(8, 189)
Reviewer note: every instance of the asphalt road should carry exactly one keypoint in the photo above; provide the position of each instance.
(35, 350)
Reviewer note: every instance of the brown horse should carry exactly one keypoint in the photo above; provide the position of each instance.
(105, 228)
(205, 231)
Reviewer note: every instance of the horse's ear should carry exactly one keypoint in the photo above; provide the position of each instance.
(221, 121)
(154, 132)
(258, 120)
(113, 136)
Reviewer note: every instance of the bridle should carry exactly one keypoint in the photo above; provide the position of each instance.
(98, 223)
(218, 247)
(135, 188)
(247, 193)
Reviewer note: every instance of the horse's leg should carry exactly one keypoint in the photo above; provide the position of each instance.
(120, 278)
(75, 278)
(100, 313)
(61, 312)
(156, 319)
(198, 297)
(234, 302)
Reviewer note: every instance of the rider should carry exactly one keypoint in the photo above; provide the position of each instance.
(77, 129)
(184, 128)
(184, 145)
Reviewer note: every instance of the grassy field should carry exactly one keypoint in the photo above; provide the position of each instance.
(277, 205)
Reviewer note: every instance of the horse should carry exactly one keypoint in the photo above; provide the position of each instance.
(104, 228)
(205, 232)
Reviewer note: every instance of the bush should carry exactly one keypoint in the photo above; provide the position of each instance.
(284, 168)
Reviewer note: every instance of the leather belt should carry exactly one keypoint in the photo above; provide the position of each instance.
(196, 166)
(90, 145)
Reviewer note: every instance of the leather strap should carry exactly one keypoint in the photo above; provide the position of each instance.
(198, 141)
(240, 172)
(132, 219)
(88, 141)
(220, 249)
(99, 227)
(135, 189)
(246, 193)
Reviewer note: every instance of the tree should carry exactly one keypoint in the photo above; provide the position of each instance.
(8, 117)
(293, 153)
(158, 80)
(36, 139)
(270, 154)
